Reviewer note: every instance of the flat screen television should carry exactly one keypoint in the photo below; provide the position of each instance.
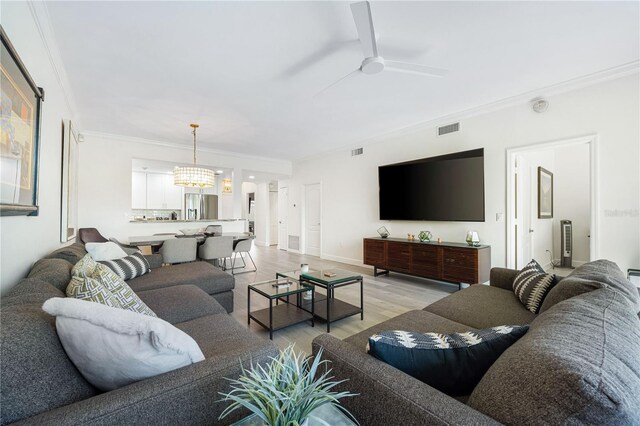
(444, 188)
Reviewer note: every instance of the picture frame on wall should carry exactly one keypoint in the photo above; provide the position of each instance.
(545, 194)
(69, 191)
(20, 117)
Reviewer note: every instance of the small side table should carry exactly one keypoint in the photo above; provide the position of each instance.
(278, 316)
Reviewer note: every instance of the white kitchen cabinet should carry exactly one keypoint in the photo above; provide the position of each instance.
(172, 194)
(138, 190)
(155, 191)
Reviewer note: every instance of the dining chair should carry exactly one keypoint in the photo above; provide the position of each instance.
(242, 246)
(179, 250)
(90, 235)
(216, 230)
(217, 248)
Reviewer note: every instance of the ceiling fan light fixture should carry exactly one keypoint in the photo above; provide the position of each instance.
(194, 176)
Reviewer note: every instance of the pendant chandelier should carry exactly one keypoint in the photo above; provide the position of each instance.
(193, 176)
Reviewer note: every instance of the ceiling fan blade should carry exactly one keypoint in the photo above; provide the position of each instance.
(337, 82)
(364, 24)
(414, 69)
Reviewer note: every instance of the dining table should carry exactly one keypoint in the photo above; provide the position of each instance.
(158, 240)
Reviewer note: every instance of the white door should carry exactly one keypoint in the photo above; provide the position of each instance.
(312, 222)
(273, 218)
(283, 207)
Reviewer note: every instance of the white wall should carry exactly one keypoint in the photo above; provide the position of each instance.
(104, 191)
(571, 197)
(609, 109)
(26, 239)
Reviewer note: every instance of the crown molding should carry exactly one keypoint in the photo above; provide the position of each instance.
(42, 21)
(172, 145)
(613, 73)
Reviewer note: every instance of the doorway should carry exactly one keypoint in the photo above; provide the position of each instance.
(556, 227)
(312, 219)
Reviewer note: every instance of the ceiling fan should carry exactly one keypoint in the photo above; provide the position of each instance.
(373, 63)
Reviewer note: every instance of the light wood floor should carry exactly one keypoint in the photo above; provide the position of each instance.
(384, 297)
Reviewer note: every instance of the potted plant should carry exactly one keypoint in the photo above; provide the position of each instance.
(286, 391)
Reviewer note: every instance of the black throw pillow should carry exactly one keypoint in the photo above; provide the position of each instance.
(129, 267)
(532, 284)
(451, 363)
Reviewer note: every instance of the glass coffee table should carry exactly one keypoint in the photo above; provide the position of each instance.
(328, 307)
(277, 315)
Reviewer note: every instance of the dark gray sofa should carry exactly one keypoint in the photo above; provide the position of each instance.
(579, 363)
(40, 385)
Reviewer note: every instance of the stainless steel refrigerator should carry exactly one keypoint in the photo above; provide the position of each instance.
(198, 207)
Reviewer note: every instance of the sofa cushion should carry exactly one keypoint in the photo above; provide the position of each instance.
(209, 278)
(180, 303)
(532, 284)
(30, 290)
(72, 253)
(481, 306)
(113, 347)
(578, 364)
(419, 321)
(452, 363)
(221, 334)
(56, 272)
(608, 273)
(568, 288)
(35, 373)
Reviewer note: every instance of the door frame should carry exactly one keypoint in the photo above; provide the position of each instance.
(594, 193)
(283, 245)
(303, 219)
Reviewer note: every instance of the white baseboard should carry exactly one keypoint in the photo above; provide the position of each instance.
(261, 243)
(347, 260)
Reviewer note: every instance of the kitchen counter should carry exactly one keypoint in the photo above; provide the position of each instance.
(186, 221)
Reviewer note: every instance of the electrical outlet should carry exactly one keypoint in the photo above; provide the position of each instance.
(499, 217)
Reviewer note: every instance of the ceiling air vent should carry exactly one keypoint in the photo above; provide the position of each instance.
(357, 151)
(449, 128)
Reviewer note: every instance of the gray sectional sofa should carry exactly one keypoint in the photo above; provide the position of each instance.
(579, 363)
(40, 385)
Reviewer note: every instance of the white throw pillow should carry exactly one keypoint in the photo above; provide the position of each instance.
(105, 251)
(114, 347)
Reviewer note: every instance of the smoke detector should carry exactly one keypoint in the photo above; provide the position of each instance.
(539, 105)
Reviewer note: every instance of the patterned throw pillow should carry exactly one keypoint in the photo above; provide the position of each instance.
(95, 282)
(92, 290)
(451, 363)
(532, 284)
(129, 267)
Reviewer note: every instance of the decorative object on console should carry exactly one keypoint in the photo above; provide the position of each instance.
(304, 267)
(545, 194)
(473, 239)
(532, 284)
(113, 347)
(21, 102)
(194, 176)
(424, 236)
(451, 363)
(384, 233)
(286, 391)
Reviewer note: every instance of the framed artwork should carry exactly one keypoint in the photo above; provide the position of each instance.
(68, 202)
(545, 194)
(20, 105)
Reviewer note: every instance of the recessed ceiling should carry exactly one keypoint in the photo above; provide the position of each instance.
(247, 72)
